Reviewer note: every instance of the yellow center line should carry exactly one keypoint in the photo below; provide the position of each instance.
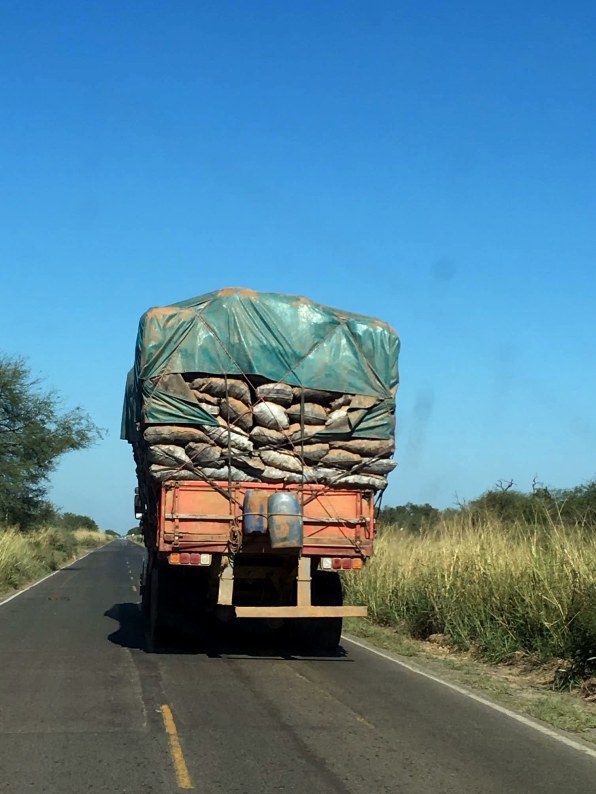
(182, 774)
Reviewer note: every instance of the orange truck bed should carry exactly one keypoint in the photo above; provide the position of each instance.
(201, 517)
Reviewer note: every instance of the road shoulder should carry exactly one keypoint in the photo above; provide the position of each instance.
(521, 687)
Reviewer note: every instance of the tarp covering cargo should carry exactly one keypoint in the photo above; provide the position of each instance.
(279, 339)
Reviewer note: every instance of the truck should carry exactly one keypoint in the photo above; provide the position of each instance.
(263, 428)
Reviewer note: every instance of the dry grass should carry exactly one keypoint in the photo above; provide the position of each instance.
(25, 557)
(493, 589)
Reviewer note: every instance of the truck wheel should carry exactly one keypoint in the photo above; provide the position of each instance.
(157, 604)
(322, 634)
(145, 589)
(327, 591)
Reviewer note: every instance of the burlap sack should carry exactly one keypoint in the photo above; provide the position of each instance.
(236, 413)
(279, 393)
(162, 473)
(340, 402)
(280, 460)
(223, 435)
(379, 466)
(205, 397)
(251, 464)
(313, 395)
(203, 454)
(173, 434)
(271, 474)
(365, 481)
(212, 410)
(313, 414)
(326, 476)
(367, 447)
(297, 433)
(238, 475)
(338, 421)
(237, 388)
(270, 415)
(266, 437)
(168, 455)
(313, 453)
(339, 458)
(307, 476)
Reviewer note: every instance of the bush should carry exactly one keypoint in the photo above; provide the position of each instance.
(18, 561)
(490, 587)
(25, 557)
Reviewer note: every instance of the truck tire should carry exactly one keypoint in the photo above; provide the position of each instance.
(145, 589)
(322, 634)
(157, 607)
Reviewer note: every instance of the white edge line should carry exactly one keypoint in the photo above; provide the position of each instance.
(454, 687)
(49, 576)
(479, 699)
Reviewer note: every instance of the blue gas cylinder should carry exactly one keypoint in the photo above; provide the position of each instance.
(286, 526)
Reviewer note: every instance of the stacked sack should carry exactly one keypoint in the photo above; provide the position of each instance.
(270, 432)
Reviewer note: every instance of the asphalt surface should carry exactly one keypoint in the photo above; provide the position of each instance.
(86, 707)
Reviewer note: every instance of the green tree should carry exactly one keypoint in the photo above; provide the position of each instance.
(578, 505)
(410, 517)
(73, 521)
(503, 504)
(510, 506)
(112, 534)
(34, 433)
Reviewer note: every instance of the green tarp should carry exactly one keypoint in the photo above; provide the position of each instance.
(281, 338)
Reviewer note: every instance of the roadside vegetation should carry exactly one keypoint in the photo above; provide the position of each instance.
(508, 576)
(35, 432)
(135, 535)
(35, 537)
(25, 557)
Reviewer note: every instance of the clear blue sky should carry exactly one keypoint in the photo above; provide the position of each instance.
(431, 164)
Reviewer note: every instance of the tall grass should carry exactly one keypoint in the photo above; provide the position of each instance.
(25, 557)
(488, 587)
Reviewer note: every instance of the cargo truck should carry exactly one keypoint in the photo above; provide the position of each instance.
(262, 427)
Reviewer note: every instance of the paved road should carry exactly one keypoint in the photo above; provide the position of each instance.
(85, 708)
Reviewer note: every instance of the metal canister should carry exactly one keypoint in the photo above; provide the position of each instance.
(254, 512)
(284, 514)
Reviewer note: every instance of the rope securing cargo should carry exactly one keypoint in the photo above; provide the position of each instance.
(238, 386)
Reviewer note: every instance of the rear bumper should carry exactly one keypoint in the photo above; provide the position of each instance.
(297, 612)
